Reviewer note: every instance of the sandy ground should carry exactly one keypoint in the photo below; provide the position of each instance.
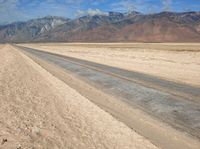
(176, 62)
(40, 111)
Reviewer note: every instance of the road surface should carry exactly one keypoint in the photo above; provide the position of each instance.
(173, 103)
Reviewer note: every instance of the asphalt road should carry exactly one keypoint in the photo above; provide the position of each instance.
(174, 103)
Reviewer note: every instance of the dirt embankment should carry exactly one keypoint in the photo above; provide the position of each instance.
(176, 62)
(40, 111)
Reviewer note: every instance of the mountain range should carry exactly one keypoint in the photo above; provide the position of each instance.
(110, 27)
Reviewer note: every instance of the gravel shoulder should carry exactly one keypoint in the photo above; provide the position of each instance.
(38, 110)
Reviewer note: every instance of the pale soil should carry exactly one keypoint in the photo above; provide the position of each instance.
(176, 62)
(40, 111)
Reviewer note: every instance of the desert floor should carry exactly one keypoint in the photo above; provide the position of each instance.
(40, 111)
(178, 62)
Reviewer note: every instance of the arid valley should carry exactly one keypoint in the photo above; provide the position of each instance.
(92, 95)
(99, 74)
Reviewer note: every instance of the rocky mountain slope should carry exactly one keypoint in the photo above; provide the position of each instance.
(30, 30)
(112, 27)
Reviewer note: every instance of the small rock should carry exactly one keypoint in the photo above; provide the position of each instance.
(35, 130)
(4, 141)
(19, 147)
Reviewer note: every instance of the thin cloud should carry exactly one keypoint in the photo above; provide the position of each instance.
(124, 6)
(9, 11)
(18, 10)
(167, 5)
(22, 10)
(90, 12)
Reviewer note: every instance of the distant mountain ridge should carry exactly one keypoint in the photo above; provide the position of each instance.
(113, 27)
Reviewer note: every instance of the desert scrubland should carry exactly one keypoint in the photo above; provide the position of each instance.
(178, 62)
(40, 111)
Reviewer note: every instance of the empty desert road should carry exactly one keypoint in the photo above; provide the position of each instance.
(174, 104)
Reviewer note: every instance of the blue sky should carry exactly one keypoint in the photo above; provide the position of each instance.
(20, 10)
